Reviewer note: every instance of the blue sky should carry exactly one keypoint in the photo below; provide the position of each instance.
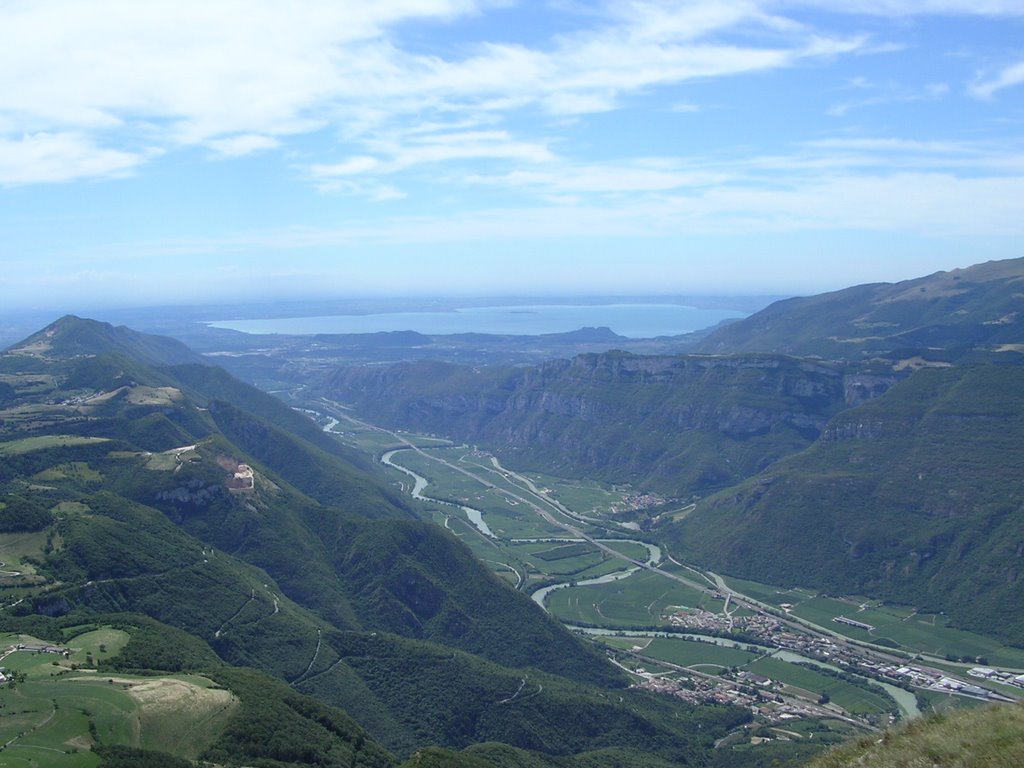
(183, 152)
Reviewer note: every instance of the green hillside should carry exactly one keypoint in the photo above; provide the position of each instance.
(986, 738)
(132, 494)
(916, 497)
(72, 336)
(945, 316)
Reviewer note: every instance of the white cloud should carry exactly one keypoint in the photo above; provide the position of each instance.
(607, 179)
(245, 144)
(43, 158)
(897, 8)
(98, 88)
(350, 167)
(393, 155)
(1009, 77)
(241, 76)
(888, 93)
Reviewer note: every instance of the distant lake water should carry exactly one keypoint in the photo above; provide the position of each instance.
(639, 321)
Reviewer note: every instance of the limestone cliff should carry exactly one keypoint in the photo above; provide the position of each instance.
(681, 424)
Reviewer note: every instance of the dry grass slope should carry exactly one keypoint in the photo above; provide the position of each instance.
(992, 737)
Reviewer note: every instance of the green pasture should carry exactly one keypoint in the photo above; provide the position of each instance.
(575, 566)
(29, 383)
(700, 656)
(102, 643)
(936, 701)
(28, 444)
(16, 546)
(18, 551)
(589, 563)
(930, 633)
(560, 551)
(850, 697)
(913, 632)
(620, 642)
(583, 497)
(72, 471)
(514, 522)
(54, 715)
(630, 549)
(375, 441)
(767, 593)
(163, 462)
(642, 599)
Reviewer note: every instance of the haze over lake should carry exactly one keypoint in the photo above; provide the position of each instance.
(632, 320)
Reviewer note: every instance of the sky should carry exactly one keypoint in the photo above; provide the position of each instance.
(247, 150)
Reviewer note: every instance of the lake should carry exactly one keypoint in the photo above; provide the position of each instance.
(640, 321)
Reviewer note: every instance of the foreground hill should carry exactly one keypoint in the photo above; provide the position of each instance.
(944, 316)
(986, 738)
(133, 492)
(679, 424)
(916, 496)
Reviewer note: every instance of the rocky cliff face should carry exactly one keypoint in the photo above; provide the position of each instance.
(683, 424)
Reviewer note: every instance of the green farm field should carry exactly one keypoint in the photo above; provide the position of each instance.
(703, 657)
(581, 496)
(28, 444)
(639, 600)
(53, 715)
(850, 697)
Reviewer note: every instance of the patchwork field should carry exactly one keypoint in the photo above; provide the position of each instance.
(55, 710)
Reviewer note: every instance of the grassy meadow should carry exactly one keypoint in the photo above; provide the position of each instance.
(57, 707)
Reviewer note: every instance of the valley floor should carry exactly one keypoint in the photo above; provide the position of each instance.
(807, 666)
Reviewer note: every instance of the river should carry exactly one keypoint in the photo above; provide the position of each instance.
(906, 700)
(476, 517)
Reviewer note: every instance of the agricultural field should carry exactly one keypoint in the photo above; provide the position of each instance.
(28, 444)
(850, 697)
(55, 710)
(78, 472)
(375, 442)
(18, 551)
(702, 657)
(642, 599)
(584, 497)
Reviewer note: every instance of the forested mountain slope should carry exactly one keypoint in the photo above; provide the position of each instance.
(176, 493)
(916, 496)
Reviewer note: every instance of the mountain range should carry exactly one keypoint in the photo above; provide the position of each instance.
(866, 441)
(144, 490)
